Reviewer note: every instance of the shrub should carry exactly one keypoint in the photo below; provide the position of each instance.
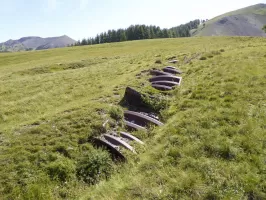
(63, 169)
(174, 153)
(222, 50)
(97, 129)
(220, 151)
(156, 104)
(62, 149)
(94, 166)
(212, 195)
(116, 113)
(82, 140)
(203, 58)
(37, 191)
(158, 61)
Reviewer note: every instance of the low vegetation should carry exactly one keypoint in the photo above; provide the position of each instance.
(212, 145)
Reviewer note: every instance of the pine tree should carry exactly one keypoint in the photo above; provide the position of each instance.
(101, 38)
(165, 33)
(114, 37)
(148, 32)
(84, 42)
(130, 33)
(123, 36)
(152, 32)
(104, 37)
(109, 36)
(141, 33)
(264, 28)
(97, 39)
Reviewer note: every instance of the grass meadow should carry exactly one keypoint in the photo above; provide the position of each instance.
(212, 146)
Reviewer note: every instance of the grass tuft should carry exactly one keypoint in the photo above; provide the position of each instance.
(158, 61)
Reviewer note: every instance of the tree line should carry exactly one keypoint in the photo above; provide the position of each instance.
(140, 32)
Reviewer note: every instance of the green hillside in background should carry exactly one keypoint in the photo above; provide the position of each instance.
(212, 146)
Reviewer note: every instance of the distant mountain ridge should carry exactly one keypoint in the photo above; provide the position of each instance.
(243, 22)
(36, 43)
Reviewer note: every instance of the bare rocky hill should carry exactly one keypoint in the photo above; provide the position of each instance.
(36, 43)
(244, 22)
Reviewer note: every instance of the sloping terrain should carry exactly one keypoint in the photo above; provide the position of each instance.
(212, 144)
(38, 43)
(244, 22)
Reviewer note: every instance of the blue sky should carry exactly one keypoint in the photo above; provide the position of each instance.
(85, 18)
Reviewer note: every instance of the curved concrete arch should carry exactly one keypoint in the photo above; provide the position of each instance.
(162, 87)
(130, 137)
(171, 71)
(166, 78)
(111, 147)
(166, 83)
(171, 67)
(132, 125)
(118, 142)
(158, 72)
(140, 118)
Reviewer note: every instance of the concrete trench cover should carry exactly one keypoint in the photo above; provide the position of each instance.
(141, 119)
(170, 67)
(130, 137)
(166, 78)
(163, 80)
(166, 83)
(118, 142)
(158, 72)
(161, 87)
(171, 71)
(114, 149)
(133, 126)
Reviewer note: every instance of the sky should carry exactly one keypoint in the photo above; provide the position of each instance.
(85, 18)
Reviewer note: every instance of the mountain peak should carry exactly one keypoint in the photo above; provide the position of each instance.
(27, 38)
(36, 42)
(260, 4)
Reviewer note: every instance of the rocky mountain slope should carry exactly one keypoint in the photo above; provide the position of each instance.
(36, 43)
(243, 22)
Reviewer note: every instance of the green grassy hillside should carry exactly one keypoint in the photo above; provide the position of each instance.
(211, 147)
(243, 22)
